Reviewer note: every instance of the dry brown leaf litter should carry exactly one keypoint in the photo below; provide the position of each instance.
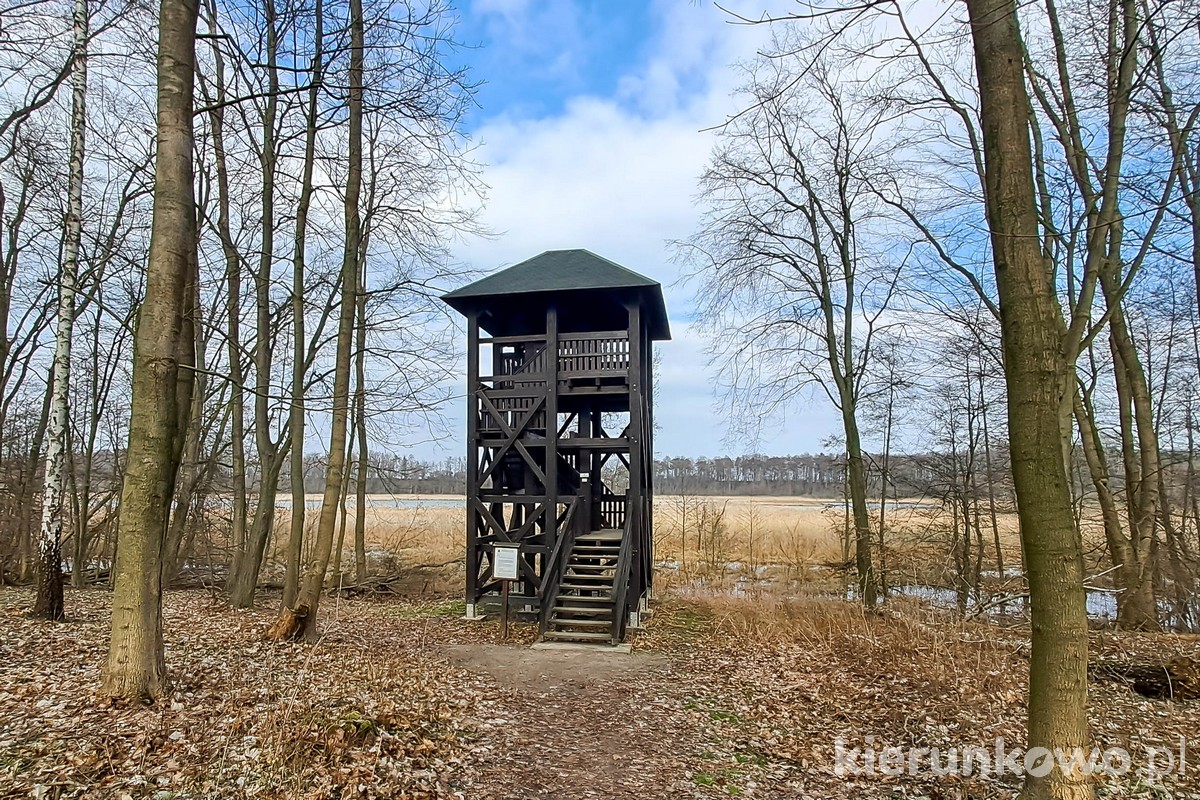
(403, 699)
(361, 714)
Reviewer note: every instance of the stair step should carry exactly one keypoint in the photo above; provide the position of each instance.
(596, 548)
(593, 611)
(593, 567)
(592, 587)
(559, 623)
(577, 636)
(583, 598)
(602, 535)
(595, 579)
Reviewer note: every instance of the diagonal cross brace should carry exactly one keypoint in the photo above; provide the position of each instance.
(510, 438)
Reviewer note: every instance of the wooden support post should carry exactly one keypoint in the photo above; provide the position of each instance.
(551, 377)
(648, 448)
(591, 511)
(472, 563)
(504, 610)
(636, 451)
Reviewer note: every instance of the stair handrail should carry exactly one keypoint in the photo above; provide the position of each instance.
(621, 579)
(529, 360)
(554, 570)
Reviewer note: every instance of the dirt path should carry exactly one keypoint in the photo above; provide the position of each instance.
(571, 724)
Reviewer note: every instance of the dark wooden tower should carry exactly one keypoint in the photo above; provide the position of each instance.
(560, 439)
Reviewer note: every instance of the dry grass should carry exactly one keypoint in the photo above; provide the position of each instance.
(714, 539)
(908, 640)
(398, 538)
(785, 678)
(787, 537)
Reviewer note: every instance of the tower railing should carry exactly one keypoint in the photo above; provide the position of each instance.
(621, 581)
(593, 355)
(553, 570)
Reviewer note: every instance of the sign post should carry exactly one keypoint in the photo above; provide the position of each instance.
(505, 568)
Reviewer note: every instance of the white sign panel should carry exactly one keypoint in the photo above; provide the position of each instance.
(504, 563)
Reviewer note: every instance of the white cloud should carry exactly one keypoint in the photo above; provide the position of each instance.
(618, 176)
(551, 31)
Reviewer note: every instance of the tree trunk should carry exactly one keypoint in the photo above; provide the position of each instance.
(991, 485)
(1139, 446)
(856, 484)
(295, 547)
(98, 395)
(885, 477)
(26, 559)
(191, 471)
(304, 613)
(360, 426)
(1037, 374)
(1133, 612)
(233, 311)
(49, 602)
(271, 454)
(244, 583)
(135, 661)
(335, 577)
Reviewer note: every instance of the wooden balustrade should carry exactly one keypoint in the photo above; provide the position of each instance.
(593, 355)
(599, 354)
(612, 510)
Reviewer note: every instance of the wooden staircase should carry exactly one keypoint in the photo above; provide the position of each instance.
(584, 606)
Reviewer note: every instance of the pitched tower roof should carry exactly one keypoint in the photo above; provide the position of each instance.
(579, 279)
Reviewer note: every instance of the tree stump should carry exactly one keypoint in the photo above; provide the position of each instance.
(289, 627)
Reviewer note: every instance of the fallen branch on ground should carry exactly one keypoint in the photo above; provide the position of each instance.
(1177, 679)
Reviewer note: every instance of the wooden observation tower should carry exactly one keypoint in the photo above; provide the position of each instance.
(560, 439)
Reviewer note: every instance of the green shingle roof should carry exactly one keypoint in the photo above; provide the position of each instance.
(577, 272)
(555, 271)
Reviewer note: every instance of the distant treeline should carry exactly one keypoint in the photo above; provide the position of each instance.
(814, 475)
(396, 475)
(817, 475)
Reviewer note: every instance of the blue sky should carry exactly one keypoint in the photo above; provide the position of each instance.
(538, 55)
(591, 125)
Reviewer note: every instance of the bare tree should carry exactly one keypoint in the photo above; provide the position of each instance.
(1036, 365)
(136, 668)
(795, 284)
(49, 603)
(272, 451)
(301, 621)
(299, 359)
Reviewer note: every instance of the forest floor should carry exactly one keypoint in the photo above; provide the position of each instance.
(720, 697)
